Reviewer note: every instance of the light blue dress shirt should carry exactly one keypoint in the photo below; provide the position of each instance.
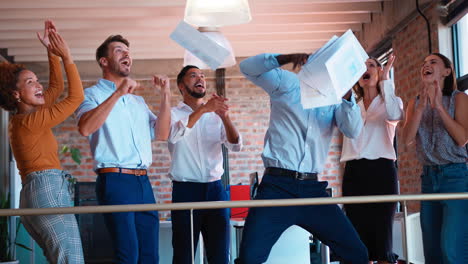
(124, 140)
(297, 139)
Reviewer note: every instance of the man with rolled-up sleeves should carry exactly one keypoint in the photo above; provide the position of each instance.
(295, 151)
(198, 130)
(120, 127)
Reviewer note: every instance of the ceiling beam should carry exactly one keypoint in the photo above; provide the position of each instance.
(287, 28)
(172, 21)
(246, 29)
(170, 47)
(87, 39)
(4, 56)
(178, 11)
(317, 8)
(282, 26)
(145, 56)
(315, 19)
(27, 4)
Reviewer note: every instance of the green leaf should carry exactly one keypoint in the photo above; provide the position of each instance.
(76, 155)
(64, 149)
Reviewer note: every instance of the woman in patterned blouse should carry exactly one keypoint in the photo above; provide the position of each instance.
(437, 122)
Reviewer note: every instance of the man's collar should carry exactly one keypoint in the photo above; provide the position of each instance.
(106, 83)
(183, 105)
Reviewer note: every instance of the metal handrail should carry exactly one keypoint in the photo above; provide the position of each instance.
(232, 204)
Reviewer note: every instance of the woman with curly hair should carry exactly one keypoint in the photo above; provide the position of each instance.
(370, 160)
(437, 121)
(35, 148)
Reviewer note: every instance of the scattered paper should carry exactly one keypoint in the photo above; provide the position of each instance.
(199, 45)
(332, 71)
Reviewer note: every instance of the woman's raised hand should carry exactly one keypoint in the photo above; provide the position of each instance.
(59, 47)
(385, 73)
(48, 27)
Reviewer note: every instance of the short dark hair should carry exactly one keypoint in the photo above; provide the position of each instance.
(103, 49)
(9, 74)
(450, 82)
(182, 72)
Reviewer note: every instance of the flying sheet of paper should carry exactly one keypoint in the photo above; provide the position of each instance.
(199, 45)
(311, 97)
(313, 76)
(322, 49)
(331, 71)
(347, 65)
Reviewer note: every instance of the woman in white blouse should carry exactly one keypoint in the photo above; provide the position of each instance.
(370, 160)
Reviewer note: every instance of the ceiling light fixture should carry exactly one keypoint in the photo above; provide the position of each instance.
(209, 16)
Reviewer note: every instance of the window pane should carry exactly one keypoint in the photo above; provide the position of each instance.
(462, 28)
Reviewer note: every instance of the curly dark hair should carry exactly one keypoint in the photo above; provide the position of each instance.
(103, 49)
(359, 90)
(9, 74)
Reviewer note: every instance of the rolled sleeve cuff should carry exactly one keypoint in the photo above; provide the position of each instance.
(82, 109)
(234, 147)
(349, 105)
(270, 60)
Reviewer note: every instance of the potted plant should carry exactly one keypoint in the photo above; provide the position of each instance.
(6, 244)
(75, 155)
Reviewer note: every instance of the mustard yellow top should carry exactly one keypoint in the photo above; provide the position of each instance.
(32, 141)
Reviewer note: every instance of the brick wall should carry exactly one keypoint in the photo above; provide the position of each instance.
(410, 45)
(250, 113)
(249, 107)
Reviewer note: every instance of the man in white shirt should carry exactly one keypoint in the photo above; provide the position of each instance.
(198, 130)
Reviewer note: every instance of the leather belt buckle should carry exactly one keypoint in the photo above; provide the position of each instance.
(299, 176)
(139, 172)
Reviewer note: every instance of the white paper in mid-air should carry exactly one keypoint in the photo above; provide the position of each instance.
(332, 71)
(199, 45)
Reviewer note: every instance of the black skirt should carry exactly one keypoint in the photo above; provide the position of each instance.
(374, 221)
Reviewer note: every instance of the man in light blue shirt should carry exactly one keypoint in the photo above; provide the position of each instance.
(296, 147)
(120, 127)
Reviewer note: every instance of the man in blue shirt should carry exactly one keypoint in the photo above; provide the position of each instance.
(120, 127)
(295, 150)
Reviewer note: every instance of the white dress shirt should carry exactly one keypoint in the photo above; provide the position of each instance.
(196, 152)
(380, 120)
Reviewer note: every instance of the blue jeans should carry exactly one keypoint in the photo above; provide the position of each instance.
(444, 224)
(264, 225)
(135, 234)
(212, 223)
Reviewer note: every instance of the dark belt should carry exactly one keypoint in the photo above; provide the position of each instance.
(135, 172)
(290, 173)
